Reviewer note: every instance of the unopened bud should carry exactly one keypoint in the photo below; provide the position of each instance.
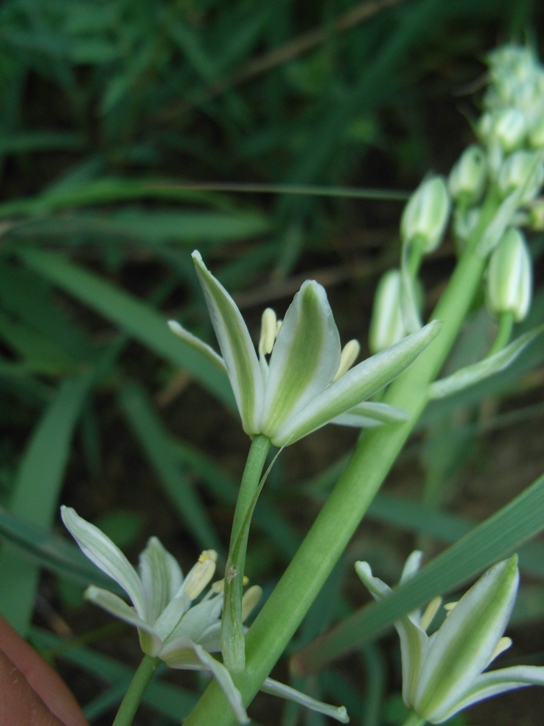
(509, 277)
(469, 175)
(425, 216)
(386, 323)
(509, 129)
(521, 169)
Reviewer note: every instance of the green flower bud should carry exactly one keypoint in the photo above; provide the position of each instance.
(509, 277)
(425, 216)
(468, 177)
(520, 169)
(386, 323)
(509, 128)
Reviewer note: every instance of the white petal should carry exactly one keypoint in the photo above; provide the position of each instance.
(236, 346)
(414, 641)
(149, 640)
(462, 647)
(106, 556)
(305, 357)
(161, 577)
(368, 414)
(359, 383)
(196, 621)
(276, 688)
(176, 656)
(198, 345)
(493, 683)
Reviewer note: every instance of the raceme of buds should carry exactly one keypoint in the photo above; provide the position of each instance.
(468, 177)
(425, 216)
(509, 277)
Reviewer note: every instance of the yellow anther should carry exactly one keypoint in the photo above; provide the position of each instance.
(250, 599)
(448, 607)
(347, 358)
(201, 574)
(269, 331)
(503, 644)
(429, 612)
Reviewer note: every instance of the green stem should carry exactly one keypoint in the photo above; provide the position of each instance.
(133, 696)
(504, 333)
(414, 720)
(342, 512)
(232, 632)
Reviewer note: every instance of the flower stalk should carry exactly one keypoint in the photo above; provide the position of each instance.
(132, 698)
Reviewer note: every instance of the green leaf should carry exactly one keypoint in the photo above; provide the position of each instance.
(36, 494)
(133, 316)
(156, 446)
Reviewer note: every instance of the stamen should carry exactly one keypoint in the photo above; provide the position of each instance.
(503, 644)
(250, 599)
(269, 331)
(201, 574)
(429, 612)
(347, 358)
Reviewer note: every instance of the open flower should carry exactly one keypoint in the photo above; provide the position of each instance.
(171, 624)
(301, 379)
(442, 674)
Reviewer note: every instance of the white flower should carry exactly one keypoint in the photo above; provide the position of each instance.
(307, 381)
(442, 674)
(171, 625)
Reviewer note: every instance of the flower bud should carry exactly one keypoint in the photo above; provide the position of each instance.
(386, 324)
(509, 276)
(468, 177)
(509, 128)
(521, 169)
(426, 214)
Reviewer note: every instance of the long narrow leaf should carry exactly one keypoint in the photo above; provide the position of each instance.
(133, 316)
(36, 495)
(155, 443)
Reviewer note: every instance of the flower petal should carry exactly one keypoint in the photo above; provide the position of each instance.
(464, 644)
(198, 345)
(236, 346)
(493, 683)
(275, 688)
(305, 357)
(359, 383)
(149, 640)
(176, 655)
(368, 414)
(161, 577)
(196, 621)
(414, 641)
(106, 556)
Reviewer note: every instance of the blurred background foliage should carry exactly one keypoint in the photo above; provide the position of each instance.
(281, 139)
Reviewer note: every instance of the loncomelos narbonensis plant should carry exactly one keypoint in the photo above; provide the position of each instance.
(299, 378)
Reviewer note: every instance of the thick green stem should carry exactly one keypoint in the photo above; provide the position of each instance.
(349, 501)
(133, 696)
(232, 632)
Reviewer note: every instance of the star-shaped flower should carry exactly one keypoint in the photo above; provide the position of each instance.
(445, 673)
(300, 379)
(171, 624)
